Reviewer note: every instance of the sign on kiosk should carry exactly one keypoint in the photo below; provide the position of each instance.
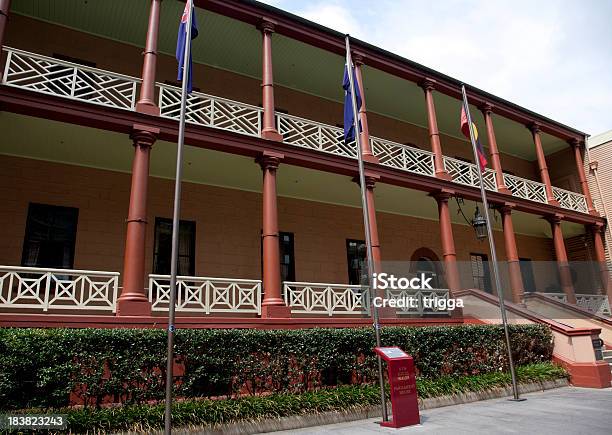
(402, 380)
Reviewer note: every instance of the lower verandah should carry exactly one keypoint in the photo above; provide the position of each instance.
(226, 224)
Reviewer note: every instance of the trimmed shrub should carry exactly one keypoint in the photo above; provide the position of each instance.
(44, 367)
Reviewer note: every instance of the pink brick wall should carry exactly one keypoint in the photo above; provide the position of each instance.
(228, 224)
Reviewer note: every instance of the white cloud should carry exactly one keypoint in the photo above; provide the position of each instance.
(332, 15)
(552, 57)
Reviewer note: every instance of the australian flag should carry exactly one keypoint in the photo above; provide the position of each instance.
(182, 40)
(349, 119)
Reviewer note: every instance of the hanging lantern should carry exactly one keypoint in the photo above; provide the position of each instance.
(480, 225)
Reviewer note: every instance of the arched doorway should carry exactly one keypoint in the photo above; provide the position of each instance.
(425, 261)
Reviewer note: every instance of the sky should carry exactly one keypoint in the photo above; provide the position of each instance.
(551, 57)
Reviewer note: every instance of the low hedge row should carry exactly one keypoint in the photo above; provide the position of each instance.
(43, 367)
(204, 412)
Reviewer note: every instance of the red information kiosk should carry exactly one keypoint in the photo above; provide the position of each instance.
(402, 380)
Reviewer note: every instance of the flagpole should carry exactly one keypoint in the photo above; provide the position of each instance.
(175, 227)
(498, 287)
(366, 224)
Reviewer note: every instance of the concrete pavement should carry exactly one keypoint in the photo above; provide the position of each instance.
(567, 410)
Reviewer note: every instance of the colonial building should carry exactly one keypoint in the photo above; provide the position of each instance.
(271, 231)
(599, 167)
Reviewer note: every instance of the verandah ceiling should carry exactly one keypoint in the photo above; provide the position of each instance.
(235, 46)
(54, 141)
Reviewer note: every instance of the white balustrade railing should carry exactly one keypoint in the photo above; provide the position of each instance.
(403, 157)
(526, 189)
(423, 301)
(206, 295)
(570, 200)
(598, 304)
(561, 297)
(467, 173)
(61, 289)
(210, 111)
(330, 299)
(70, 80)
(314, 135)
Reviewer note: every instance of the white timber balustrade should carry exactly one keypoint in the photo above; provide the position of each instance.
(71, 80)
(425, 301)
(561, 297)
(329, 299)
(570, 200)
(210, 111)
(205, 295)
(58, 289)
(52, 76)
(314, 135)
(403, 157)
(467, 173)
(598, 304)
(526, 189)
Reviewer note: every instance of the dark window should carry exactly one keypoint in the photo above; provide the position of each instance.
(427, 266)
(50, 236)
(287, 256)
(527, 274)
(163, 247)
(287, 259)
(480, 272)
(357, 266)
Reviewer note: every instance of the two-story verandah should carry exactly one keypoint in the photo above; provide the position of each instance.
(316, 202)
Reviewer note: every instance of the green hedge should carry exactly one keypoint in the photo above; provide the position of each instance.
(42, 367)
(212, 412)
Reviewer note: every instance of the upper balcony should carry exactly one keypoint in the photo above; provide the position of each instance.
(48, 75)
(61, 60)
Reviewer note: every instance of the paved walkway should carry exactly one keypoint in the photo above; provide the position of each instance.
(567, 410)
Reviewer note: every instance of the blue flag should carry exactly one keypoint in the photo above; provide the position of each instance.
(180, 45)
(349, 119)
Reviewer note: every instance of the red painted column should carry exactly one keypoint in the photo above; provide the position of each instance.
(366, 146)
(487, 111)
(428, 86)
(562, 262)
(600, 256)
(273, 304)
(146, 102)
(268, 130)
(514, 265)
(133, 301)
(370, 182)
(545, 178)
(448, 242)
(575, 144)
